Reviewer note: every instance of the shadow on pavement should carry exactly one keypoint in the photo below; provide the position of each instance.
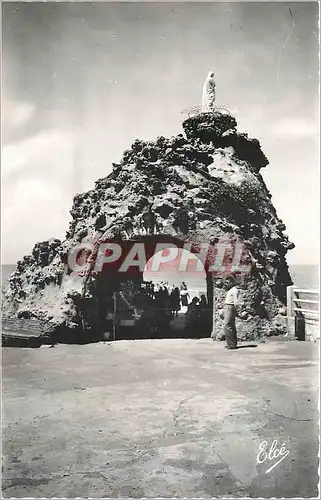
(246, 346)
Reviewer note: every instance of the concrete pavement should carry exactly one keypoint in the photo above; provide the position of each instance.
(160, 418)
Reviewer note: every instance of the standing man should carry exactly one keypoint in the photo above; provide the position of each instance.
(231, 302)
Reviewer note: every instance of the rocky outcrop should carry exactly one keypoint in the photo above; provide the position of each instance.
(200, 186)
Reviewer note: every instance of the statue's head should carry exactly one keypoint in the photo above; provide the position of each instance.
(211, 74)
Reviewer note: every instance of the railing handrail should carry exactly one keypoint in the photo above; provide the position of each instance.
(306, 290)
(310, 310)
(306, 301)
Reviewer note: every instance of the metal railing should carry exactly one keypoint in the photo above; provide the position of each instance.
(303, 309)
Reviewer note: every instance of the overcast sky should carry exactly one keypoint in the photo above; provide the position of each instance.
(81, 81)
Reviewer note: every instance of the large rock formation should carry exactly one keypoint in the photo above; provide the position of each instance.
(200, 186)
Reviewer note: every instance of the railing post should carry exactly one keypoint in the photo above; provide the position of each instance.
(290, 312)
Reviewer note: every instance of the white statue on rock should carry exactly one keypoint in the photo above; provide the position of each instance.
(208, 93)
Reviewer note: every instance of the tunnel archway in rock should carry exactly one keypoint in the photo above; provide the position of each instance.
(141, 317)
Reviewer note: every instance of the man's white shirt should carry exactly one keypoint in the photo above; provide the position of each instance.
(232, 297)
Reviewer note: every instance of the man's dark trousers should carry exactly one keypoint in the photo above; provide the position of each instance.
(229, 326)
